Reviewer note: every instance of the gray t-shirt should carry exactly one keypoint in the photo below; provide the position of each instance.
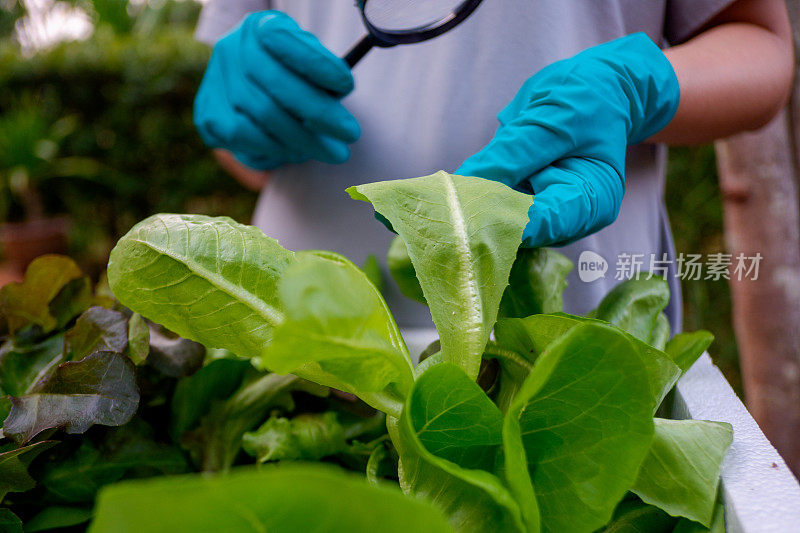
(428, 106)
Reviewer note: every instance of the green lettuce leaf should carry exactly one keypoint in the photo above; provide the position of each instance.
(217, 439)
(98, 389)
(634, 305)
(269, 499)
(138, 339)
(536, 284)
(681, 472)
(454, 419)
(584, 420)
(462, 236)
(29, 302)
(57, 517)
(23, 365)
(207, 279)
(634, 516)
(339, 332)
(514, 368)
(686, 348)
(229, 286)
(307, 436)
(380, 465)
(194, 395)
(128, 450)
(14, 476)
(402, 270)
(5, 408)
(531, 336)
(660, 333)
(9, 522)
(515, 470)
(717, 523)
(372, 269)
(448, 436)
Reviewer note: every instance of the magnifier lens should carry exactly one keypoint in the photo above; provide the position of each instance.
(393, 22)
(410, 16)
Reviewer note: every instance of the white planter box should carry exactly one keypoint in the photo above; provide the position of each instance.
(759, 491)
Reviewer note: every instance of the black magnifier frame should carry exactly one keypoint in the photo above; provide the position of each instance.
(388, 38)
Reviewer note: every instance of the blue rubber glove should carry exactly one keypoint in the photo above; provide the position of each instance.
(564, 135)
(270, 95)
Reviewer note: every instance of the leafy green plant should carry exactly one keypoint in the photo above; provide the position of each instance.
(290, 498)
(91, 393)
(561, 436)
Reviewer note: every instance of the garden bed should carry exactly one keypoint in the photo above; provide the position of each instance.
(519, 418)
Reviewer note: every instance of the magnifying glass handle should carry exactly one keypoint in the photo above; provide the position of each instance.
(359, 50)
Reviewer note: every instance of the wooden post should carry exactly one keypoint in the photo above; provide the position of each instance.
(759, 183)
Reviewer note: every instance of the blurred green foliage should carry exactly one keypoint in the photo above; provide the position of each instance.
(695, 212)
(118, 106)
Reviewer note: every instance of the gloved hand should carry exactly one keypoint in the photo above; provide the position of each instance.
(563, 137)
(270, 95)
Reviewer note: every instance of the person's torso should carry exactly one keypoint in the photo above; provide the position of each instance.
(428, 106)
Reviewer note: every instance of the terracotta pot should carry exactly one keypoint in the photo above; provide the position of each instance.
(22, 242)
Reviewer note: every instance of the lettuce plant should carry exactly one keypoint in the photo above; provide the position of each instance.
(560, 438)
(91, 394)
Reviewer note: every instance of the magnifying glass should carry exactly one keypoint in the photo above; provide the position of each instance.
(393, 22)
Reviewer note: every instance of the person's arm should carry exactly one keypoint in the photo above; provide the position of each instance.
(249, 178)
(734, 76)
(218, 17)
(564, 135)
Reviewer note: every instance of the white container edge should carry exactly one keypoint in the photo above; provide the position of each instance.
(759, 491)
